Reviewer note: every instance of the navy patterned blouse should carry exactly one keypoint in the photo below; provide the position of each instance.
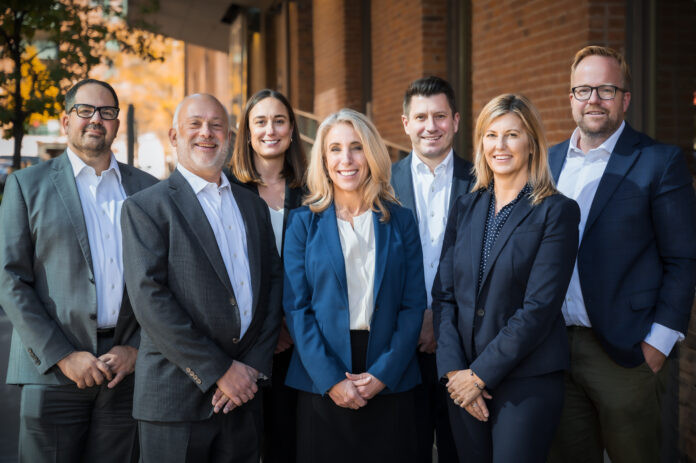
(494, 223)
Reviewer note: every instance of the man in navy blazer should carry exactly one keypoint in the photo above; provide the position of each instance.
(428, 181)
(630, 296)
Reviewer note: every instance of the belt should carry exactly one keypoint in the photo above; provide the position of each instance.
(106, 332)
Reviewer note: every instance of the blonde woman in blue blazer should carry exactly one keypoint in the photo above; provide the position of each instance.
(354, 296)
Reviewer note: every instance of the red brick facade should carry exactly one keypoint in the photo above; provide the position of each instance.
(408, 42)
(527, 47)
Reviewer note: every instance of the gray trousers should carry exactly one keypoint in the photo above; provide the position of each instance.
(67, 424)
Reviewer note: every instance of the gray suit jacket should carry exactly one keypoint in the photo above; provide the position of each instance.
(182, 297)
(46, 277)
(402, 181)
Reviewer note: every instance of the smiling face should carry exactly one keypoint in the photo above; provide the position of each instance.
(202, 136)
(506, 146)
(90, 138)
(431, 126)
(270, 129)
(345, 161)
(597, 119)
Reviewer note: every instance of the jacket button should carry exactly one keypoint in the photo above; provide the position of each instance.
(480, 312)
(235, 340)
(91, 280)
(188, 370)
(92, 316)
(376, 308)
(233, 303)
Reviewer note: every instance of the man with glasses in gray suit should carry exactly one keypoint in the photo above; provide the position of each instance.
(75, 338)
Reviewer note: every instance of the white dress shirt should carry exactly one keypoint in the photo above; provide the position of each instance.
(277, 224)
(432, 193)
(358, 246)
(225, 219)
(101, 198)
(579, 180)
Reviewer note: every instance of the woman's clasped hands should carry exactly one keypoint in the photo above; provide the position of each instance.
(468, 391)
(354, 391)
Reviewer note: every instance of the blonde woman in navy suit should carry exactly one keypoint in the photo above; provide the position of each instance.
(353, 297)
(506, 261)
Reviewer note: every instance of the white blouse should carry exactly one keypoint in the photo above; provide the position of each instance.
(358, 246)
(277, 224)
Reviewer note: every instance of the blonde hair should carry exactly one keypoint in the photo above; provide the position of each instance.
(596, 50)
(376, 189)
(540, 178)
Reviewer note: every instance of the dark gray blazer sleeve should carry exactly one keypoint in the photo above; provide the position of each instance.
(145, 263)
(44, 340)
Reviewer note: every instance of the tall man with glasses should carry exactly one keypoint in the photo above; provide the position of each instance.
(75, 338)
(632, 289)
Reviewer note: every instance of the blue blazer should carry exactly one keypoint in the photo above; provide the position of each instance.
(512, 325)
(315, 300)
(637, 257)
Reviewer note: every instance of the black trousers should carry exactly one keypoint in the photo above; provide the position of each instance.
(432, 417)
(382, 431)
(524, 415)
(231, 438)
(68, 424)
(279, 414)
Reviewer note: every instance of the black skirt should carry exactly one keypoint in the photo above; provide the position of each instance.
(382, 431)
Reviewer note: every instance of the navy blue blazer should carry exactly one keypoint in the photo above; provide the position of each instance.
(402, 181)
(315, 299)
(637, 256)
(512, 326)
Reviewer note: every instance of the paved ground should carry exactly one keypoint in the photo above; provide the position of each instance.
(9, 399)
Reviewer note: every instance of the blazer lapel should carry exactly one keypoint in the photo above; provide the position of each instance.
(185, 199)
(403, 181)
(557, 157)
(477, 221)
(64, 180)
(382, 234)
(253, 234)
(328, 227)
(461, 180)
(518, 214)
(127, 182)
(620, 162)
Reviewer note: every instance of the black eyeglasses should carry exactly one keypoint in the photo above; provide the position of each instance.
(86, 111)
(604, 92)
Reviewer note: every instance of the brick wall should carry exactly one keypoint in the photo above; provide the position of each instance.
(337, 59)
(408, 42)
(301, 55)
(527, 47)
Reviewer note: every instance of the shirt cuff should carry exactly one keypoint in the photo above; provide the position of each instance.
(663, 338)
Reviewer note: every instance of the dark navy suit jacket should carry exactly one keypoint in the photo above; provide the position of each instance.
(315, 299)
(637, 257)
(512, 325)
(402, 181)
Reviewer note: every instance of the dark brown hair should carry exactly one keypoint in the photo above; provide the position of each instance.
(242, 162)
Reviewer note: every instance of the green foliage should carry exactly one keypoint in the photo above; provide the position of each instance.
(47, 45)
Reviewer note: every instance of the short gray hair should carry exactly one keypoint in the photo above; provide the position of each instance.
(175, 119)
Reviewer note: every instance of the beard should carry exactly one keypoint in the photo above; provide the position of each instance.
(598, 131)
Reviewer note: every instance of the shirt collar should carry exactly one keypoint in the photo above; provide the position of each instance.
(419, 166)
(608, 145)
(78, 165)
(199, 184)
